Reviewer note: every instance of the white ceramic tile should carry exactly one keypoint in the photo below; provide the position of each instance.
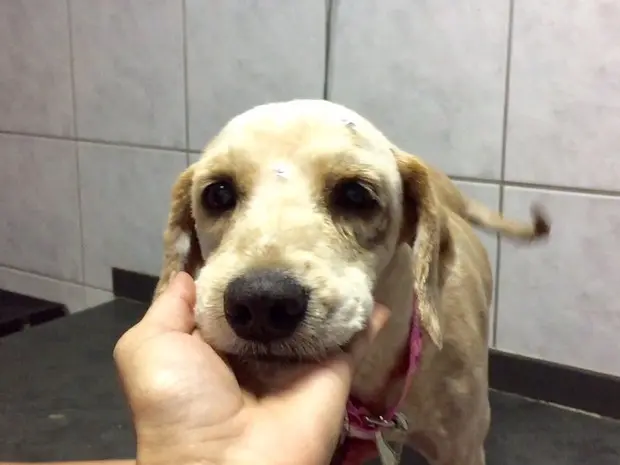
(75, 297)
(194, 157)
(125, 202)
(430, 74)
(558, 300)
(35, 83)
(39, 208)
(241, 54)
(564, 110)
(129, 81)
(488, 194)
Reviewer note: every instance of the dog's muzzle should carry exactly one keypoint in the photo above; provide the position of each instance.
(265, 305)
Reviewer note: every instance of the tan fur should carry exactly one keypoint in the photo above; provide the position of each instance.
(285, 158)
(480, 215)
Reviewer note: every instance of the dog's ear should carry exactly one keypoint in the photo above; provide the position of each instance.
(181, 247)
(423, 228)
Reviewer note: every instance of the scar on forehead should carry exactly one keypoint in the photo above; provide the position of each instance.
(358, 139)
(282, 171)
(349, 124)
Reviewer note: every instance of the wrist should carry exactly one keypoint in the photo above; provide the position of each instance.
(176, 456)
(172, 448)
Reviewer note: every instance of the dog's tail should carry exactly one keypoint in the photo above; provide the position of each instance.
(480, 215)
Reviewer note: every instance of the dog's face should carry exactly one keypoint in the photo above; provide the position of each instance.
(296, 208)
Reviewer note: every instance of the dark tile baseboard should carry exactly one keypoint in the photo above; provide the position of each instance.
(133, 285)
(537, 379)
(18, 311)
(550, 382)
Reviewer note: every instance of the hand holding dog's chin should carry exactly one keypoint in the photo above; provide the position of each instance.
(188, 407)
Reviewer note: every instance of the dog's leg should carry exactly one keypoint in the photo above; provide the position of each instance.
(481, 457)
(456, 442)
(475, 456)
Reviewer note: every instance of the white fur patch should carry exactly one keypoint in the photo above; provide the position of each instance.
(182, 246)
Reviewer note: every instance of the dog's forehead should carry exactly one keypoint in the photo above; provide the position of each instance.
(317, 124)
(295, 112)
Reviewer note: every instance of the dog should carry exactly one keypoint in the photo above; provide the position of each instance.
(296, 219)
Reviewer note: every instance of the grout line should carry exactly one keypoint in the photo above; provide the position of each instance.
(494, 182)
(537, 186)
(471, 179)
(185, 79)
(52, 278)
(72, 69)
(329, 9)
(567, 189)
(93, 141)
(498, 257)
(76, 148)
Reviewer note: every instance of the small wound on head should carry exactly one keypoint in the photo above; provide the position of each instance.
(281, 171)
(348, 123)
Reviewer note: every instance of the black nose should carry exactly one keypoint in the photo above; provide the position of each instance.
(265, 305)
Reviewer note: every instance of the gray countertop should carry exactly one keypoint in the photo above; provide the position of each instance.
(60, 400)
(59, 393)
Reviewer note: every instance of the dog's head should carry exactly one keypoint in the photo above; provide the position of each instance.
(286, 223)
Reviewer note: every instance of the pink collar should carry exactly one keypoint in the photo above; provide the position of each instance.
(362, 424)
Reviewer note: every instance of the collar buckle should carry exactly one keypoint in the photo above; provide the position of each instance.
(397, 422)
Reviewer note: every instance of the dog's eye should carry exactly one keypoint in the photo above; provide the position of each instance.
(220, 196)
(353, 195)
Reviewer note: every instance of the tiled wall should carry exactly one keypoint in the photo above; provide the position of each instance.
(103, 103)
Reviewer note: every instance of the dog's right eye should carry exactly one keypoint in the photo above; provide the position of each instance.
(353, 196)
(220, 196)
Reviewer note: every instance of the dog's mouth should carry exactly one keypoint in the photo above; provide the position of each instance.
(267, 354)
(292, 359)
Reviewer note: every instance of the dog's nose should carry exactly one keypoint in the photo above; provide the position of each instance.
(265, 305)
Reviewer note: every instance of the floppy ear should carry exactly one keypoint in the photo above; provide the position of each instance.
(181, 247)
(423, 226)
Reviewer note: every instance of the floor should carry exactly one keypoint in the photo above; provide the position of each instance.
(60, 400)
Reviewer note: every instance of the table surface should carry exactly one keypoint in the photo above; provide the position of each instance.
(60, 400)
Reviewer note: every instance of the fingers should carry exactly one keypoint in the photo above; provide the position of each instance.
(345, 364)
(173, 309)
(334, 378)
(322, 392)
(363, 340)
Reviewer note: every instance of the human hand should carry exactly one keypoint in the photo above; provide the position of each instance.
(188, 407)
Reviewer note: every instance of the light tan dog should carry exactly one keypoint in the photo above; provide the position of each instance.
(298, 217)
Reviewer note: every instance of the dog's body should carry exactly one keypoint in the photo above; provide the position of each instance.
(323, 195)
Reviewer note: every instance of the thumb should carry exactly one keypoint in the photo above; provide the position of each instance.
(173, 309)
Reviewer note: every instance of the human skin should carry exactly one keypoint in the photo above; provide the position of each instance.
(188, 407)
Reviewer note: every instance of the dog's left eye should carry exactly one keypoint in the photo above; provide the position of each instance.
(352, 195)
